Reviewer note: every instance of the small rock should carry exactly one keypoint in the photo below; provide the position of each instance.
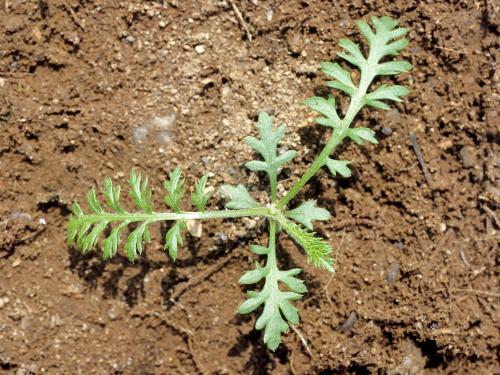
(162, 24)
(2, 82)
(269, 15)
(113, 313)
(349, 323)
(295, 43)
(130, 39)
(194, 227)
(16, 263)
(393, 272)
(386, 130)
(200, 49)
(468, 158)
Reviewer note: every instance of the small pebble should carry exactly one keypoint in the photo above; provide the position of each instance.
(467, 157)
(200, 49)
(386, 130)
(393, 272)
(349, 323)
(16, 263)
(113, 314)
(130, 39)
(162, 24)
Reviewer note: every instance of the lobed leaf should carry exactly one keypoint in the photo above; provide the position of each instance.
(201, 194)
(359, 135)
(93, 203)
(174, 188)
(267, 147)
(173, 239)
(339, 166)
(308, 212)
(140, 192)
(317, 250)
(340, 74)
(112, 195)
(326, 108)
(238, 196)
(110, 243)
(355, 56)
(135, 239)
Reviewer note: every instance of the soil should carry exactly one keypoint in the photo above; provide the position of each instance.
(94, 88)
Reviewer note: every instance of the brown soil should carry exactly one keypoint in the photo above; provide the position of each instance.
(94, 88)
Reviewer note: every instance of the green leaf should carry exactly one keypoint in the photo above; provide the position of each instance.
(93, 203)
(340, 74)
(394, 92)
(254, 276)
(259, 250)
(290, 312)
(318, 251)
(110, 243)
(383, 24)
(308, 212)
(326, 108)
(393, 67)
(367, 31)
(267, 147)
(339, 166)
(135, 240)
(359, 135)
(285, 157)
(174, 188)
(273, 325)
(294, 284)
(88, 241)
(349, 90)
(201, 194)
(173, 239)
(257, 165)
(238, 197)
(251, 304)
(112, 196)
(355, 55)
(140, 192)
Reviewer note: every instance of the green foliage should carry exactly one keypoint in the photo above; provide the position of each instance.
(238, 197)
(339, 166)
(278, 311)
(308, 212)
(173, 239)
(174, 188)
(267, 147)
(318, 251)
(279, 287)
(201, 194)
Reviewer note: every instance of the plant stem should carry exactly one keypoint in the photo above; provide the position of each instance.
(273, 181)
(271, 256)
(169, 216)
(339, 133)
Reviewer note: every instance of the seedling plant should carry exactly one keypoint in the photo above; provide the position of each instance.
(280, 287)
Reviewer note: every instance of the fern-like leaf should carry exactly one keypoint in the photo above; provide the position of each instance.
(318, 251)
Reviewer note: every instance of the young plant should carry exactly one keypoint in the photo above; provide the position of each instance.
(280, 287)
